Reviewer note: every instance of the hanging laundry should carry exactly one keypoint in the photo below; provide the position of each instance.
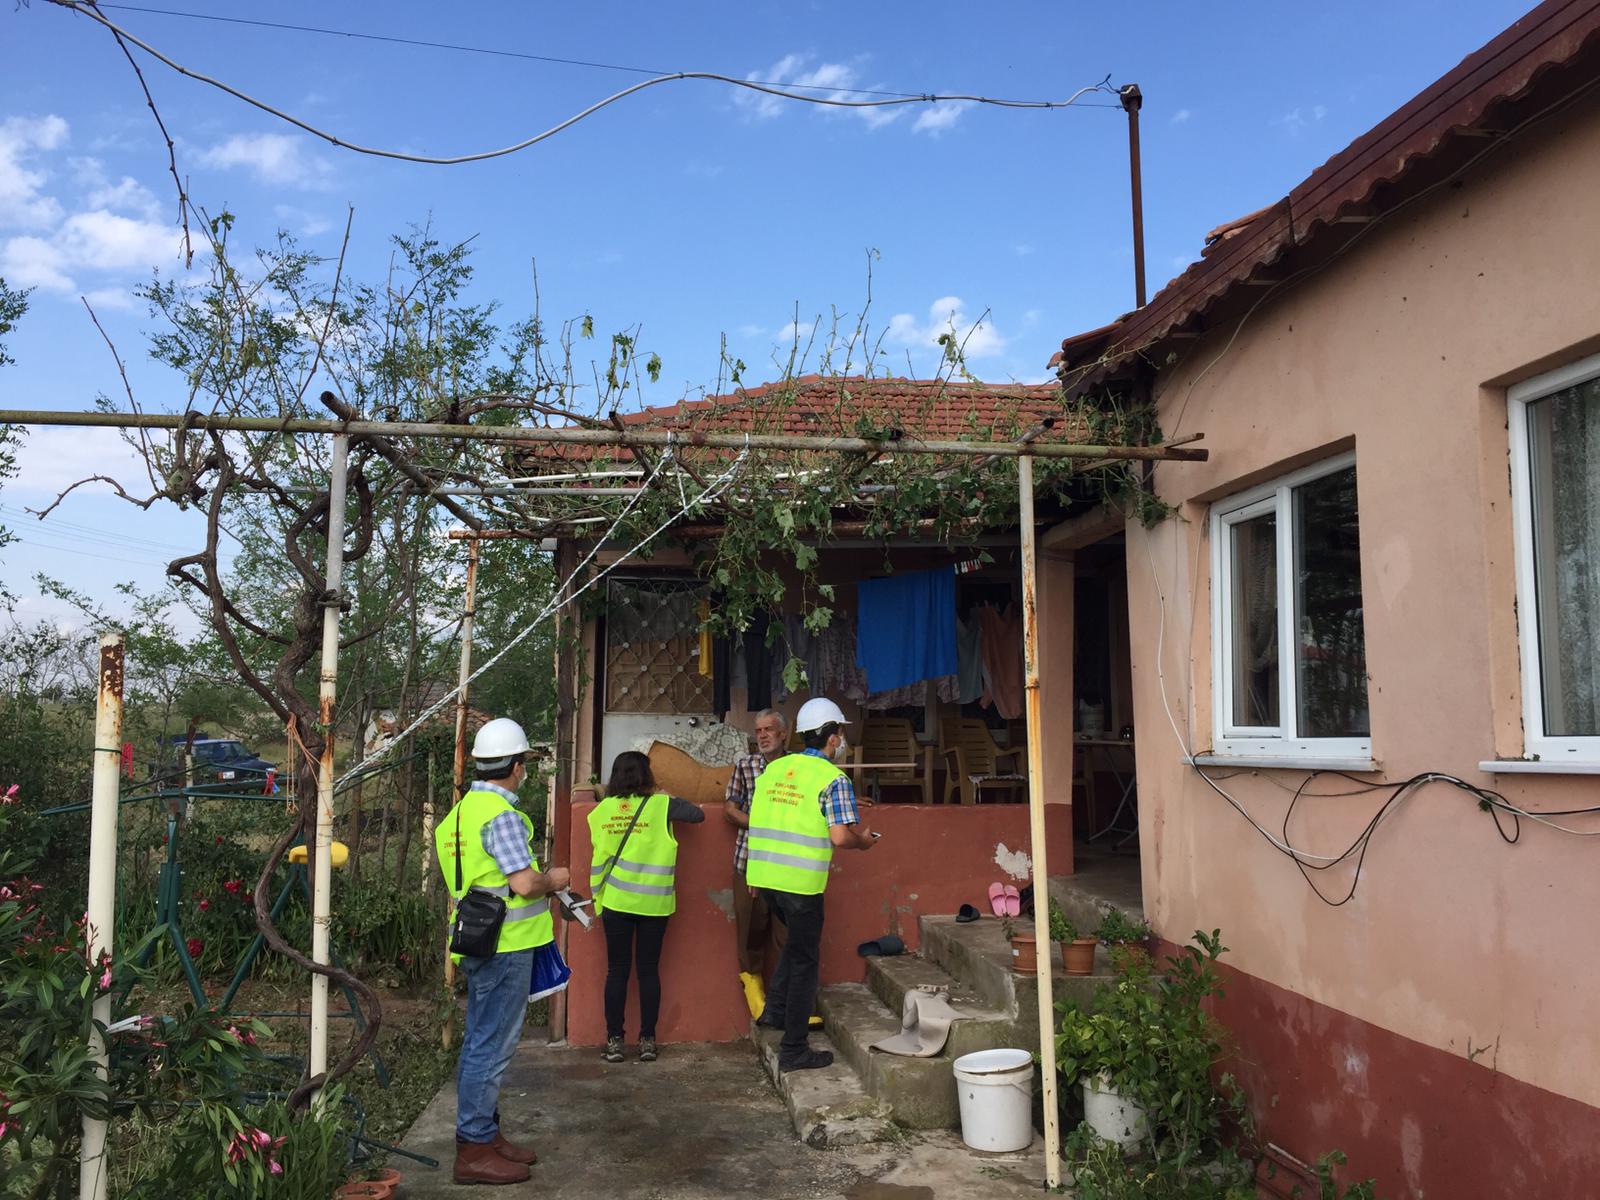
(836, 673)
(704, 613)
(906, 628)
(757, 664)
(969, 661)
(721, 677)
(1001, 645)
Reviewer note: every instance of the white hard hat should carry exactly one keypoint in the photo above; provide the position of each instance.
(814, 714)
(499, 738)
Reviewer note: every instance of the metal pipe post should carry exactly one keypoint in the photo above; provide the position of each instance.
(93, 1169)
(1132, 100)
(427, 832)
(459, 774)
(322, 841)
(1036, 824)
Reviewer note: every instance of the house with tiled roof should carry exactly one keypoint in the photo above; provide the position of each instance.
(1365, 658)
(638, 671)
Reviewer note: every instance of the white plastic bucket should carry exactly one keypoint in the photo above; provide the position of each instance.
(1111, 1115)
(996, 1092)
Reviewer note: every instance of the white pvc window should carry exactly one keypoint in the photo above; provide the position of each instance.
(1289, 658)
(1555, 491)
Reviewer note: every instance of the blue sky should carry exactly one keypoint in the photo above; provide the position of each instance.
(692, 210)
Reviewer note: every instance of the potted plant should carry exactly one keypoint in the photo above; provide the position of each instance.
(1077, 951)
(1118, 929)
(1144, 1055)
(1024, 955)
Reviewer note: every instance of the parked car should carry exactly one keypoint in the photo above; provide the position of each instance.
(229, 764)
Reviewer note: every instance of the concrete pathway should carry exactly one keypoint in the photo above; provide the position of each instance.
(701, 1122)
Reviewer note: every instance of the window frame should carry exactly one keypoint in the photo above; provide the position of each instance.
(1267, 742)
(1519, 401)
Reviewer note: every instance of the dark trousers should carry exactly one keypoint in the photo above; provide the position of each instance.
(752, 922)
(623, 932)
(794, 984)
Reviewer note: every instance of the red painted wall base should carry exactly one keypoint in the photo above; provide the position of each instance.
(932, 859)
(1423, 1122)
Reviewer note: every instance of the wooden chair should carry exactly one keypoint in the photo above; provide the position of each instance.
(893, 740)
(975, 762)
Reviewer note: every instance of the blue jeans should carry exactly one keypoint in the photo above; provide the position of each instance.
(497, 1005)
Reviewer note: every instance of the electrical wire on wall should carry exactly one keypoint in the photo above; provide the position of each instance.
(1507, 817)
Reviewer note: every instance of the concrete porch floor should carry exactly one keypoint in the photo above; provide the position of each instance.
(703, 1121)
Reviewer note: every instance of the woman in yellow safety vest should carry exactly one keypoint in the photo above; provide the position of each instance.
(633, 878)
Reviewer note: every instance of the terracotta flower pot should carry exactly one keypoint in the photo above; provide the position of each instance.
(387, 1175)
(1024, 955)
(1077, 956)
(367, 1189)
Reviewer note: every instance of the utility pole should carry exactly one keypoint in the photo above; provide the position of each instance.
(1132, 101)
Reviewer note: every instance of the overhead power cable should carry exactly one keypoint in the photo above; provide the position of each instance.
(495, 52)
(783, 92)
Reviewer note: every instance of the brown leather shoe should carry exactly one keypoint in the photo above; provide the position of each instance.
(477, 1162)
(512, 1151)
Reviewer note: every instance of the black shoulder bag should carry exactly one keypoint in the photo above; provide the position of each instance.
(475, 932)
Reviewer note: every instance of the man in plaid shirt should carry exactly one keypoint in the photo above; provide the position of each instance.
(752, 919)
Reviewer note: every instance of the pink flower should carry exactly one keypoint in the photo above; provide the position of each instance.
(194, 946)
(246, 1038)
(105, 979)
(4, 1125)
(232, 887)
(11, 796)
(205, 905)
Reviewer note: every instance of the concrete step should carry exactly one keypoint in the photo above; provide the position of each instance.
(979, 958)
(829, 1107)
(920, 1092)
(1101, 882)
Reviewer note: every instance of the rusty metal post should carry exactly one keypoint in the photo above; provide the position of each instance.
(93, 1170)
(1132, 100)
(322, 842)
(427, 832)
(459, 775)
(1036, 824)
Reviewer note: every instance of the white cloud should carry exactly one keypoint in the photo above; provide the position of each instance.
(29, 262)
(52, 457)
(947, 315)
(841, 81)
(1297, 120)
(938, 117)
(301, 222)
(276, 158)
(22, 204)
(750, 331)
(1180, 117)
(1022, 249)
(127, 194)
(110, 297)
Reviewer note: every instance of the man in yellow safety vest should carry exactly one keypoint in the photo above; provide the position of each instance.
(485, 842)
(803, 808)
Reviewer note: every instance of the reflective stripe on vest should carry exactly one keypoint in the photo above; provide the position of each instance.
(789, 847)
(643, 879)
(528, 922)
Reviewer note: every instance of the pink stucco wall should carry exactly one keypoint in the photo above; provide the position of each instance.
(1400, 350)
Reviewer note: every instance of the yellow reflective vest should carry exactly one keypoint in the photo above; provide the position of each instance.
(644, 878)
(528, 923)
(789, 845)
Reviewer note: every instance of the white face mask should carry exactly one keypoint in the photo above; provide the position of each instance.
(842, 750)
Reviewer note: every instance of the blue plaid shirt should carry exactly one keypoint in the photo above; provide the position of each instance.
(838, 800)
(505, 838)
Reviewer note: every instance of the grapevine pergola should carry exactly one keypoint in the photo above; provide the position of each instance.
(740, 498)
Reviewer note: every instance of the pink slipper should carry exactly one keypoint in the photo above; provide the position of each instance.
(997, 898)
(1013, 901)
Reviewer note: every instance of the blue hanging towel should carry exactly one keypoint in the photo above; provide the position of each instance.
(906, 628)
(550, 973)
